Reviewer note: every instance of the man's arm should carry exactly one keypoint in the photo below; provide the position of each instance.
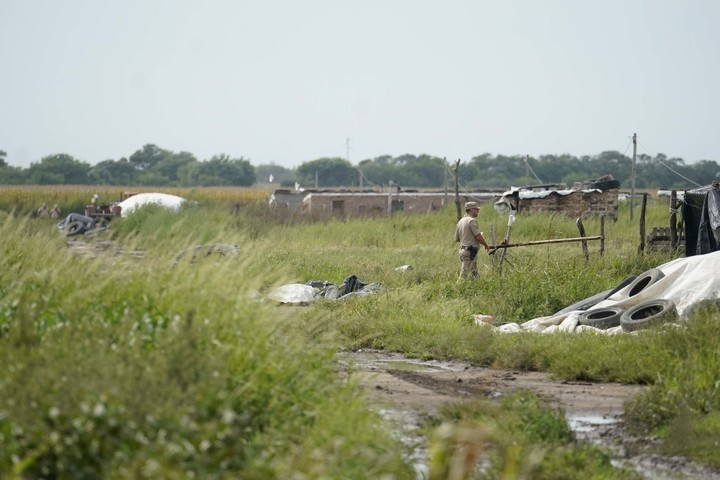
(481, 240)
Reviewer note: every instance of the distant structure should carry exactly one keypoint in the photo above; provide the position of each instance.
(355, 203)
(598, 196)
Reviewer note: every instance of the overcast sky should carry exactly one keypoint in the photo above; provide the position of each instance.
(286, 82)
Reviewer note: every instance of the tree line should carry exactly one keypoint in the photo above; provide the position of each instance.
(155, 166)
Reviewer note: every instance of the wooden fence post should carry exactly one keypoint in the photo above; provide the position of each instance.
(673, 221)
(602, 234)
(641, 247)
(583, 243)
(511, 220)
(492, 239)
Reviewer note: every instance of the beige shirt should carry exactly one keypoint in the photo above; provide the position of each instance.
(466, 230)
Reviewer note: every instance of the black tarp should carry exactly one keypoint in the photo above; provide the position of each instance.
(701, 215)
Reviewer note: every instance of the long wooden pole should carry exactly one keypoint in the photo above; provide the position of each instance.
(544, 242)
(505, 245)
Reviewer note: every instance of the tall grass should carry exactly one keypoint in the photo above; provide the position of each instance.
(126, 368)
(150, 365)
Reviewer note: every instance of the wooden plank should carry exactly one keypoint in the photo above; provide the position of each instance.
(545, 242)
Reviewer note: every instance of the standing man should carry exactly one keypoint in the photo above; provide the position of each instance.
(468, 233)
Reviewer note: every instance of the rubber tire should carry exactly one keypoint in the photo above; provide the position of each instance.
(643, 281)
(602, 318)
(590, 302)
(75, 228)
(648, 314)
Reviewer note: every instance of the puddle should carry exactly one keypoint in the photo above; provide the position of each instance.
(369, 359)
(592, 420)
(406, 366)
(584, 423)
(407, 431)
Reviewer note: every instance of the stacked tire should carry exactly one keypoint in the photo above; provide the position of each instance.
(643, 315)
(648, 314)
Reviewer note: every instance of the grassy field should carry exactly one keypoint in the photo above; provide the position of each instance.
(119, 366)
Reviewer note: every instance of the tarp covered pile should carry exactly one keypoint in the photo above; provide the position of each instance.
(163, 199)
(302, 293)
(701, 215)
(684, 282)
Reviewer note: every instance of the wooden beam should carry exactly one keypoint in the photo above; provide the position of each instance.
(545, 242)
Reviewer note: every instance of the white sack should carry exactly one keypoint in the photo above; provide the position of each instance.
(163, 199)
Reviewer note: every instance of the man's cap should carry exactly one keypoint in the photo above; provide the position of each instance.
(470, 205)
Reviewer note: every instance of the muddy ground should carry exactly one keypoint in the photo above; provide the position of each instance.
(406, 390)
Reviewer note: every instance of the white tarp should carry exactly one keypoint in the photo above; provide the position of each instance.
(293, 293)
(687, 281)
(163, 199)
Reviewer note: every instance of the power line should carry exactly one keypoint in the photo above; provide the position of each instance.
(531, 170)
(669, 167)
(628, 146)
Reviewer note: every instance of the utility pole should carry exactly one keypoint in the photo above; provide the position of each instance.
(527, 170)
(632, 177)
(445, 179)
(457, 189)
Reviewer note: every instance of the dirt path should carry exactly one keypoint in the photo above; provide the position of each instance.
(407, 389)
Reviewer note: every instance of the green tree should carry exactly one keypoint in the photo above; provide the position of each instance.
(12, 175)
(170, 165)
(704, 172)
(379, 170)
(487, 171)
(279, 174)
(111, 172)
(555, 169)
(424, 171)
(330, 172)
(3, 163)
(149, 156)
(611, 163)
(60, 169)
(221, 170)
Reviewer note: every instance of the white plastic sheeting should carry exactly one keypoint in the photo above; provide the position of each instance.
(687, 281)
(299, 293)
(163, 199)
(293, 293)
